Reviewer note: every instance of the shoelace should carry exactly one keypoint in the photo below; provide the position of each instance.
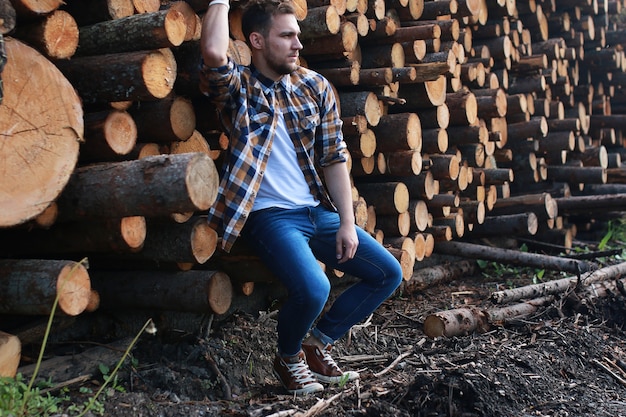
(300, 372)
(329, 359)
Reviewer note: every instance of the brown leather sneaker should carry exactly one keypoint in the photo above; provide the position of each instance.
(324, 367)
(295, 375)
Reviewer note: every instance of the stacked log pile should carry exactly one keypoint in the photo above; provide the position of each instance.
(464, 119)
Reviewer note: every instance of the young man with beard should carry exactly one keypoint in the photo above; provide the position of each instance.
(286, 188)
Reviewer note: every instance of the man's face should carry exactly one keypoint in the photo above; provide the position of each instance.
(282, 45)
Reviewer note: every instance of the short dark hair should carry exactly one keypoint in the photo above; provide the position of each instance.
(258, 15)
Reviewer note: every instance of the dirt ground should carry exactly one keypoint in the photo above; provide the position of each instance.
(562, 361)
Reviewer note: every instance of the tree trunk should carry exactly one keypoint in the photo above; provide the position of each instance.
(47, 132)
(346, 40)
(153, 186)
(423, 95)
(437, 275)
(31, 286)
(364, 103)
(143, 75)
(163, 121)
(513, 257)
(558, 286)
(55, 36)
(521, 224)
(107, 235)
(463, 107)
(591, 203)
(192, 241)
(387, 197)
(190, 291)
(407, 133)
(320, 22)
(108, 135)
(456, 322)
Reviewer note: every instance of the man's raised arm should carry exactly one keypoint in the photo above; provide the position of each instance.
(215, 36)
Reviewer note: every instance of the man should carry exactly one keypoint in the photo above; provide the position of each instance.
(283, 122)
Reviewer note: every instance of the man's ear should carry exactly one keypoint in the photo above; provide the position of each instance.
(256, 40)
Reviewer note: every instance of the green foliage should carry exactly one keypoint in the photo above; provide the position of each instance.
(17, 399)
(615, 235)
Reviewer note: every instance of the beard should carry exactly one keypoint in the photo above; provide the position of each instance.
(279, 65)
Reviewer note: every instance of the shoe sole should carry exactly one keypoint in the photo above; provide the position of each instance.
(336, 379)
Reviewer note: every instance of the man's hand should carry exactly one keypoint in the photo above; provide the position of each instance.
(346, 243)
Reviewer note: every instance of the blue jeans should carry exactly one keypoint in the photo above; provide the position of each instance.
(289, 242)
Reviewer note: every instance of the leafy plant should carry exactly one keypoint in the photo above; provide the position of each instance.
(18, 399)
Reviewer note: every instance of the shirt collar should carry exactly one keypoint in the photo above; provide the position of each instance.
(268, 84)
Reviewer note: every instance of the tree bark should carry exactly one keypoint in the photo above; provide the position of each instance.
(153, 186)
(141, 75)
(591, 203)
(166, 120)
(364, 103)
(521, 224)
(513, 257)
(559, 286)
(105, 236)
(320, 22)
(48, 130)
(423, 278)
(190, 242)
(407, 132)
(388, 197)
(189, 291)
(30, 286)
(423, 95)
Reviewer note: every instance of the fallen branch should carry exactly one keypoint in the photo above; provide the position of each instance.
(393, 364)
(613, 374)
(463, 321)
(320, 406)
(514, 257)
(220, 376)
(558, 286)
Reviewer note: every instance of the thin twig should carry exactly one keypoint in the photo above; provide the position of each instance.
(393, 364)
(613, 374)
(223, 382)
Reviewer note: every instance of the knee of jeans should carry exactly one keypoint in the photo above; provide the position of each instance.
(314, 296)
(395, 276)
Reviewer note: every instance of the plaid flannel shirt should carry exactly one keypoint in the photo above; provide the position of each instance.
(247, 102)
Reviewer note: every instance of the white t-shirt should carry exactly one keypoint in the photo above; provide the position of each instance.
(283, 183)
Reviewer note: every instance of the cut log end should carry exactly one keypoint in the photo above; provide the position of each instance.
(203, 242)
(134, 231)
(159, 63)
(175, 27)
(61, 29)
(73, 289)
(121, 132)
(10, 350)
(220, 292)
(43, 150)
(202, 181)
